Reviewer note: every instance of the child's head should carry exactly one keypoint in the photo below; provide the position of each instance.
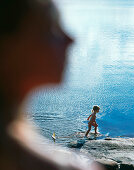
(96, 109)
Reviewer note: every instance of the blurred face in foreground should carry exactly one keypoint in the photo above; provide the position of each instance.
(35, 55)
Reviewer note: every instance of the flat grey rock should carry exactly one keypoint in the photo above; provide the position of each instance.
(120, 150)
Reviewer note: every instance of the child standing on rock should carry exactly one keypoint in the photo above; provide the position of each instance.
(92, 121)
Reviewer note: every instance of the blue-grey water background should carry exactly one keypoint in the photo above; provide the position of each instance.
(100, 71)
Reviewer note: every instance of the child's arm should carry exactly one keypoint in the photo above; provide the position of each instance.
(89, 117)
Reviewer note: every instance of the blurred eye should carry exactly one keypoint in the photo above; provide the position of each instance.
(54, 37)
(58, 35)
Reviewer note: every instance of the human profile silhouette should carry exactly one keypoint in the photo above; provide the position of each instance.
(32, 53)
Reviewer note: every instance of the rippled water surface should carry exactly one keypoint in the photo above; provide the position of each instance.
(100, 71)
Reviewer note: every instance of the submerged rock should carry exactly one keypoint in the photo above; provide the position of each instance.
(76, 144)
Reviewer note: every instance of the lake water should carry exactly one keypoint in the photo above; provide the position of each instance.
(100, 71)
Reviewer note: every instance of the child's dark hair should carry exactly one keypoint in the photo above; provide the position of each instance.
(95, 108)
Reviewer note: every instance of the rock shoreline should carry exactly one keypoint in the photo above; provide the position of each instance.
(112, 153)
(113, 165)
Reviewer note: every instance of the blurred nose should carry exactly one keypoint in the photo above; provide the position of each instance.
(60, 37)
(68, 40)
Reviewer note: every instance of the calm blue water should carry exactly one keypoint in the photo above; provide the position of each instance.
(100, 71)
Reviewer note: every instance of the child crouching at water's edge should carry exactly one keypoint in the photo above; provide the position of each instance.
(92, 120)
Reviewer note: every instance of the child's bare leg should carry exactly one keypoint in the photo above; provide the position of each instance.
(89, 128)
(87, 132)
(96, 128)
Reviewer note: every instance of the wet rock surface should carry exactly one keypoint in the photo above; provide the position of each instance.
(126, 167)
(108, 164)
(113, 153)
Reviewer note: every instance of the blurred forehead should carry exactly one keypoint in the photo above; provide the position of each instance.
(46, 9)
(43, 17)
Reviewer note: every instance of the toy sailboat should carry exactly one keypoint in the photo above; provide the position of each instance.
(53, 136)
